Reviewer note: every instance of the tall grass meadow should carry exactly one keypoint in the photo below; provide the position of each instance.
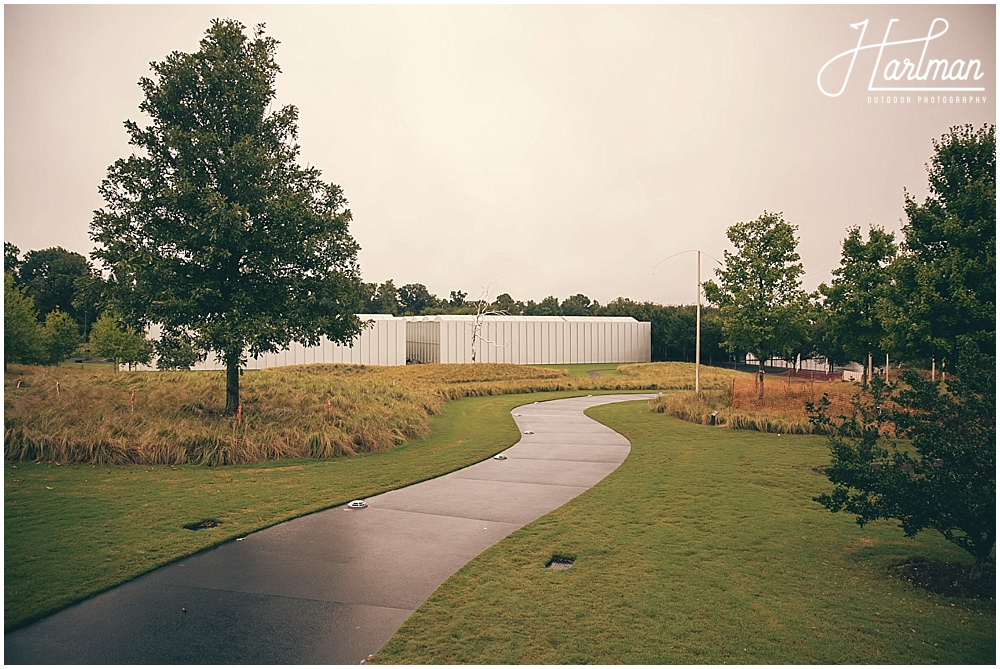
(59, 414)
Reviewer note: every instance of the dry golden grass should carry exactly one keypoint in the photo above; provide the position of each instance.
(307, 411)
(679, 375)
(788, 397)
(177, 416)
(783, 410)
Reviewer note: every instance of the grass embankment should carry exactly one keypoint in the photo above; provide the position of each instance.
(704, 547)
(73, 530)
(308, 411)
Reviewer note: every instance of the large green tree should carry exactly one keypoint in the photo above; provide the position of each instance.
(547, 307)
(456, 299)
(853, 327)
(944, 477)
(211, 228)
(50, 277)
(578, 305)
(506, 304)
(414, 298)
(762, 306)
(22, 336)
(944, 281)
(386, 299)
(88, 300)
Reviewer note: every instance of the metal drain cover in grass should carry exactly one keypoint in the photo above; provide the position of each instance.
(561, 562)
(206, 524)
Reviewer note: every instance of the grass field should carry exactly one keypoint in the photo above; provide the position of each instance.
(73, 530)
(704, 547)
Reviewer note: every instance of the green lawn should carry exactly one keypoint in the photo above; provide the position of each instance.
(704, 547)
(73, 530)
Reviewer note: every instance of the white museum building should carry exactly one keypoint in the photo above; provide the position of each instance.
(519, 340)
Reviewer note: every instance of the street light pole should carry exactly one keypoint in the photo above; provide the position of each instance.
(697, 337)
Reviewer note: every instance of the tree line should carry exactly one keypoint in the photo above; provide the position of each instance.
(55, 309)
(55, 304)
(915, 299)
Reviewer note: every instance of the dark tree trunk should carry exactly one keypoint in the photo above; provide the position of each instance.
(981, 552)
(232, 385)
(760, 382)
(978, 567)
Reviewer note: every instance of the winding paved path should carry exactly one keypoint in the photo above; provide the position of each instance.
(332, 587)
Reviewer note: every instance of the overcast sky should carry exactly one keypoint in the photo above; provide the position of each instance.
(532, 150)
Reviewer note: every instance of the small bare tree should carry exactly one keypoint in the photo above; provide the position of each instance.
(483, 309)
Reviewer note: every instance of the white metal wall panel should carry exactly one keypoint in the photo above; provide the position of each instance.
(444, 343)
(507, 332)
(595, 342)
(590, 341)
(610, 340)
(383, 343)
(628, 347)
(485, 351)
(518, 340)
(531, 342)
(491, 346)
(504, 338)
(569, 343)
(600, 342)
(462, 333)
(560, 335)
(586, 342)
(543, 341)
(609, 334)
(448, 339)
(382, 349)
(451, 342)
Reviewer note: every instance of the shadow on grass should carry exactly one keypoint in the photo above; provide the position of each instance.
(950, 579)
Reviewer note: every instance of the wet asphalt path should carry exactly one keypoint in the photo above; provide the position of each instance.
(332, 587)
